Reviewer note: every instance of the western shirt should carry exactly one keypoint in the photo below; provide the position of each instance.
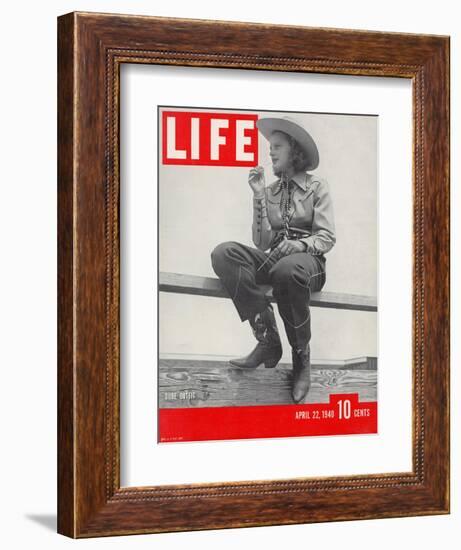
(311, 210)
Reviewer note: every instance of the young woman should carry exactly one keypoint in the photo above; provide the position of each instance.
(293, 227)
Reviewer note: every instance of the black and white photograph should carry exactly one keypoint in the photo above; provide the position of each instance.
(268, 249)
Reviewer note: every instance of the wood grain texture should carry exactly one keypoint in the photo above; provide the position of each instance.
(217, 384)
(66, 472)
(91, 49)
(180, 283)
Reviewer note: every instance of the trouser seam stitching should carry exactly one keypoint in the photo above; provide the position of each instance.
(295, 326)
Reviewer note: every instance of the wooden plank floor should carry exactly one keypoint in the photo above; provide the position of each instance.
(200, 383)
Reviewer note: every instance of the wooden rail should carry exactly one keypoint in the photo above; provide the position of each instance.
(208, 286)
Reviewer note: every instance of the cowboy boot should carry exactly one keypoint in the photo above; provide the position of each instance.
(268, 350)
(301, 372)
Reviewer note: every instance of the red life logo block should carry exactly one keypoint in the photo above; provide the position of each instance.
(209, 139)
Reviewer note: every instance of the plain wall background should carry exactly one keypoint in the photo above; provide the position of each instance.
(28, 289)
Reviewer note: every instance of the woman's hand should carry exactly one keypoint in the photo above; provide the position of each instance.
(287, 247)
(257, 181)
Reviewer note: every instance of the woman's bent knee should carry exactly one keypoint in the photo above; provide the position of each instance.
(219, 254)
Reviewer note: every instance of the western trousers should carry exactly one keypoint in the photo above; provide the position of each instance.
(243, 269)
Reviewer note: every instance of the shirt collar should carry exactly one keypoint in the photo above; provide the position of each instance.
(299, 178)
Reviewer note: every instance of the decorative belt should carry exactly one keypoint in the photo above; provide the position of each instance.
(294, 233)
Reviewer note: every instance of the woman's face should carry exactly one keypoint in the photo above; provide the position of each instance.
(280, 153)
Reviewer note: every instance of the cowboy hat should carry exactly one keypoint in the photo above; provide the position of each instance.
(288, 125)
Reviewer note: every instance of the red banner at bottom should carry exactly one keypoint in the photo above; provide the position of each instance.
(343, 415)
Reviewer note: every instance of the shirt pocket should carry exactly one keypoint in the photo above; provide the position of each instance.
(303, 202)
(274, 199)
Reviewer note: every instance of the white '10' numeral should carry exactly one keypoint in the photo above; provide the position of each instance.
(344, 409)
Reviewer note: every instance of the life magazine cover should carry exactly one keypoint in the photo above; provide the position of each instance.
(268, 257)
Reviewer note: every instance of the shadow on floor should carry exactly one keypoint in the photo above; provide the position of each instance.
(49, 521)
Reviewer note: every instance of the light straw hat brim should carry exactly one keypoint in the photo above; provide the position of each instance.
(268, 125)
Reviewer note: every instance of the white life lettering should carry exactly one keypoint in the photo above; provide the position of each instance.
(242, 140)
(172, 152)
(216, 139)
(195, 138)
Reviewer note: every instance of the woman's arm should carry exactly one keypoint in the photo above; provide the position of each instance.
(323, 236)
(261, 228)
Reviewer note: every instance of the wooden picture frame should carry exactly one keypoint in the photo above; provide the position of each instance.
(92, 48)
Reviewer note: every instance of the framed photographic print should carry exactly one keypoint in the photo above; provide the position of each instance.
(253, 274)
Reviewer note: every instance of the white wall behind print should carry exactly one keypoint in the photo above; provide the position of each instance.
(28, 277)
